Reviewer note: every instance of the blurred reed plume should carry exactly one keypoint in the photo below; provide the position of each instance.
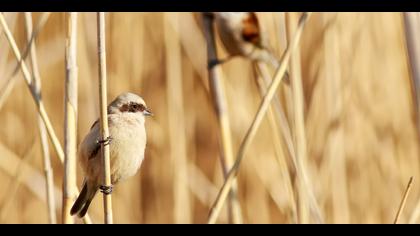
(337, 145)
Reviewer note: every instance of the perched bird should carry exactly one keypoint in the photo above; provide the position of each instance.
(126, 118)
(241, 35)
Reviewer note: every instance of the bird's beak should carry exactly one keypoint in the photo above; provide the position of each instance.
(147, 112)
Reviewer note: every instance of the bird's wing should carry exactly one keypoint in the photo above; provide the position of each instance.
(96, 147)
(94, 151)
(94, 123)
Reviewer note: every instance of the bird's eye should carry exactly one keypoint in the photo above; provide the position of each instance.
(141, 107)
(132, 107)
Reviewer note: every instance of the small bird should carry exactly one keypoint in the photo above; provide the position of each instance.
(126, 118)
(241, 35)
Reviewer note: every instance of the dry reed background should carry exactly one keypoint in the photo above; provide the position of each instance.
(360, 120)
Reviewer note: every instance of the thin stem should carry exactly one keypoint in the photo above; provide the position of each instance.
(27, 76)
(412, 32)
(403, 200)
(7, 89)
(307, 204)
(104, 116)
(70, 122)
(281, 116)
(263, 80)
(257, 121)
(41, 22)
(38, 101)
(36, 80)
(219, 99)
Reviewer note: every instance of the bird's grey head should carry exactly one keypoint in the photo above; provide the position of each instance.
(231, 15)
(129, 102)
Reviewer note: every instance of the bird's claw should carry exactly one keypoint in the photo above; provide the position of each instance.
(106, 141)
(106, 189)
(215, 62)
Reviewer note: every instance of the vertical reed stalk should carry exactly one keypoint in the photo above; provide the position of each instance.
(298, 124)
(281, 108)
(263, 80)
(306, 200)
(175, 104)
(38, 101)
(219, 99)
(36, 80)
(104, 116)
(412, 34)
(265, 103)
(70, 119)
(285, 89)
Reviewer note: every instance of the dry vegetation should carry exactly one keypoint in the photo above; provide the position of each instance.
(359, 118)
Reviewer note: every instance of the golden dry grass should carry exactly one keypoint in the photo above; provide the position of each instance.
(362, 141)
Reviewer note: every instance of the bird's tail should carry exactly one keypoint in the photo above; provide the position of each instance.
(84, 199)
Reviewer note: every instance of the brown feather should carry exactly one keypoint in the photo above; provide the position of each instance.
(97, 147)
(251, 30)
(94, 123)
(95, 151)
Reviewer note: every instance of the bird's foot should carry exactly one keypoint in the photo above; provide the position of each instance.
(106, 189)
(106, 141)
(215, 62)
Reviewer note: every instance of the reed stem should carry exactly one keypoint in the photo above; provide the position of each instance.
(7, 89)
(38, 101)
(70, 121)
(215, 211)
(104, 116)
(219, 99)
(36, 80)
(276, 113)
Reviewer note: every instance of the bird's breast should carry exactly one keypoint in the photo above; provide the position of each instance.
(126, 149)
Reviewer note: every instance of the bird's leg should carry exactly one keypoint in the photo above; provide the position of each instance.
(215, 62)
(106, 189)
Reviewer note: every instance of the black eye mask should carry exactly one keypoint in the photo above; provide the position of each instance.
(132, 107)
